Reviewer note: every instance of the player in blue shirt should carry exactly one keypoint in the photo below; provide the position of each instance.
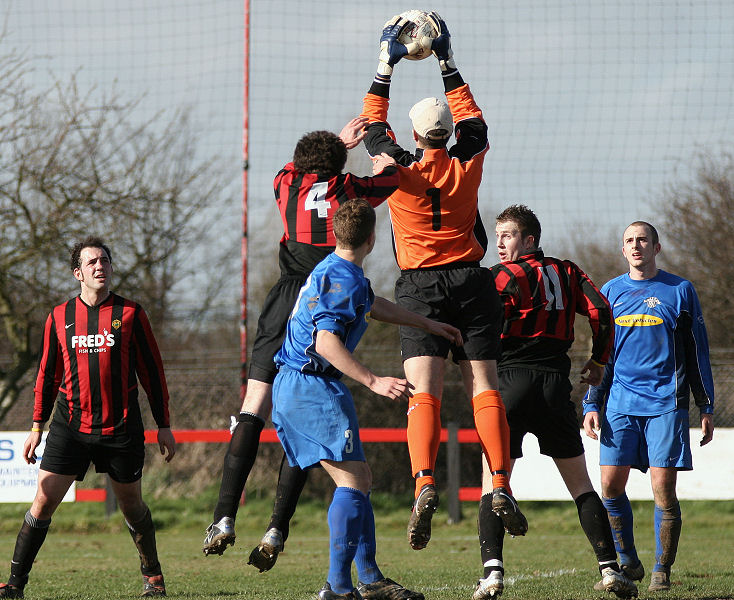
(313, 411)
(660, 357)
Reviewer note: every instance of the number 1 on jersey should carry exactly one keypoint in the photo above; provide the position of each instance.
(434, 195)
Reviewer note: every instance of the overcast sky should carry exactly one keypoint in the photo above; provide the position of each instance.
(592, 107)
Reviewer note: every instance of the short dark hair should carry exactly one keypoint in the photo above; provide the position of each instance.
(354, 222)
(88, 242)
(433, 143)
(524, 218)
(654, 238)
(320, 152)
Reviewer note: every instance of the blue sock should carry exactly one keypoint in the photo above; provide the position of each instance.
(667, 533)
(367, 568)
(619, 510)
(346, 514)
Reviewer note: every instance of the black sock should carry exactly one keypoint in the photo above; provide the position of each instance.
(491, 536)
(595, 523)
(237, 464)
(30, 539)
(143, 534)
(290, 485)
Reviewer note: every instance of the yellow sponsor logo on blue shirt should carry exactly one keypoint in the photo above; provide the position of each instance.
(638, 320)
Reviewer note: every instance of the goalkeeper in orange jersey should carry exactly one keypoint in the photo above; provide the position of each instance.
(439, 241)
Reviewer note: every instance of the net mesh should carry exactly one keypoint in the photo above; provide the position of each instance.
(591, 106)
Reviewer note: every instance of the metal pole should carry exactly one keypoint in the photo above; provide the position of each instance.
(245, 167)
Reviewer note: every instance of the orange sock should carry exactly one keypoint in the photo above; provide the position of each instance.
(494, 435)
(437, 428)
(421, 481)
(424, 435)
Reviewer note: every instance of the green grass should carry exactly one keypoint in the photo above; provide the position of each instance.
(87, 556)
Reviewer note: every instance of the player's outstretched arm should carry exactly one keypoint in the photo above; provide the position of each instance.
(441, 46)
(330, 346)
(353, 132)
(389, 312)
(391, 50)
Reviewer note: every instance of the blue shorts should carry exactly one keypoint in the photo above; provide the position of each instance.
(642, 442)
(315, 419)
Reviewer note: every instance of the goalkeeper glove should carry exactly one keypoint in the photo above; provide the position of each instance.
(391, 50)
(441, 46)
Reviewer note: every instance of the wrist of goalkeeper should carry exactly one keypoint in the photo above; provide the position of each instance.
(384, 71)
(447, 65)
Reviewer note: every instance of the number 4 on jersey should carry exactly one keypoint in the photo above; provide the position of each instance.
(316, 199)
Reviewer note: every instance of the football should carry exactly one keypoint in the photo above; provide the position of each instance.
(417, 36)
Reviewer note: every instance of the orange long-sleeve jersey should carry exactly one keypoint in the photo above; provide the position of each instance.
(434, 212)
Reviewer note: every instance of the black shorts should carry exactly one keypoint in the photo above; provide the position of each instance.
(464, 297)
(271, 325)
(539, 402)
(68, 454)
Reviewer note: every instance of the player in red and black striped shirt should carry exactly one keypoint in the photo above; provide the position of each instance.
(93, 354)
(308, 191)
(95, 346)
(541, 296)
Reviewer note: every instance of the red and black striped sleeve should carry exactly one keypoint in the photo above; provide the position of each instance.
(149, 368)
(50, 373)
(592, 304)
(507, 288)
(375, 189)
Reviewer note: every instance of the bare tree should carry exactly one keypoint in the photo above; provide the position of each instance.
(697, 229)
(74, 164)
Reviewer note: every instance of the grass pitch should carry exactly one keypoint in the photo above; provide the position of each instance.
(87, 556)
